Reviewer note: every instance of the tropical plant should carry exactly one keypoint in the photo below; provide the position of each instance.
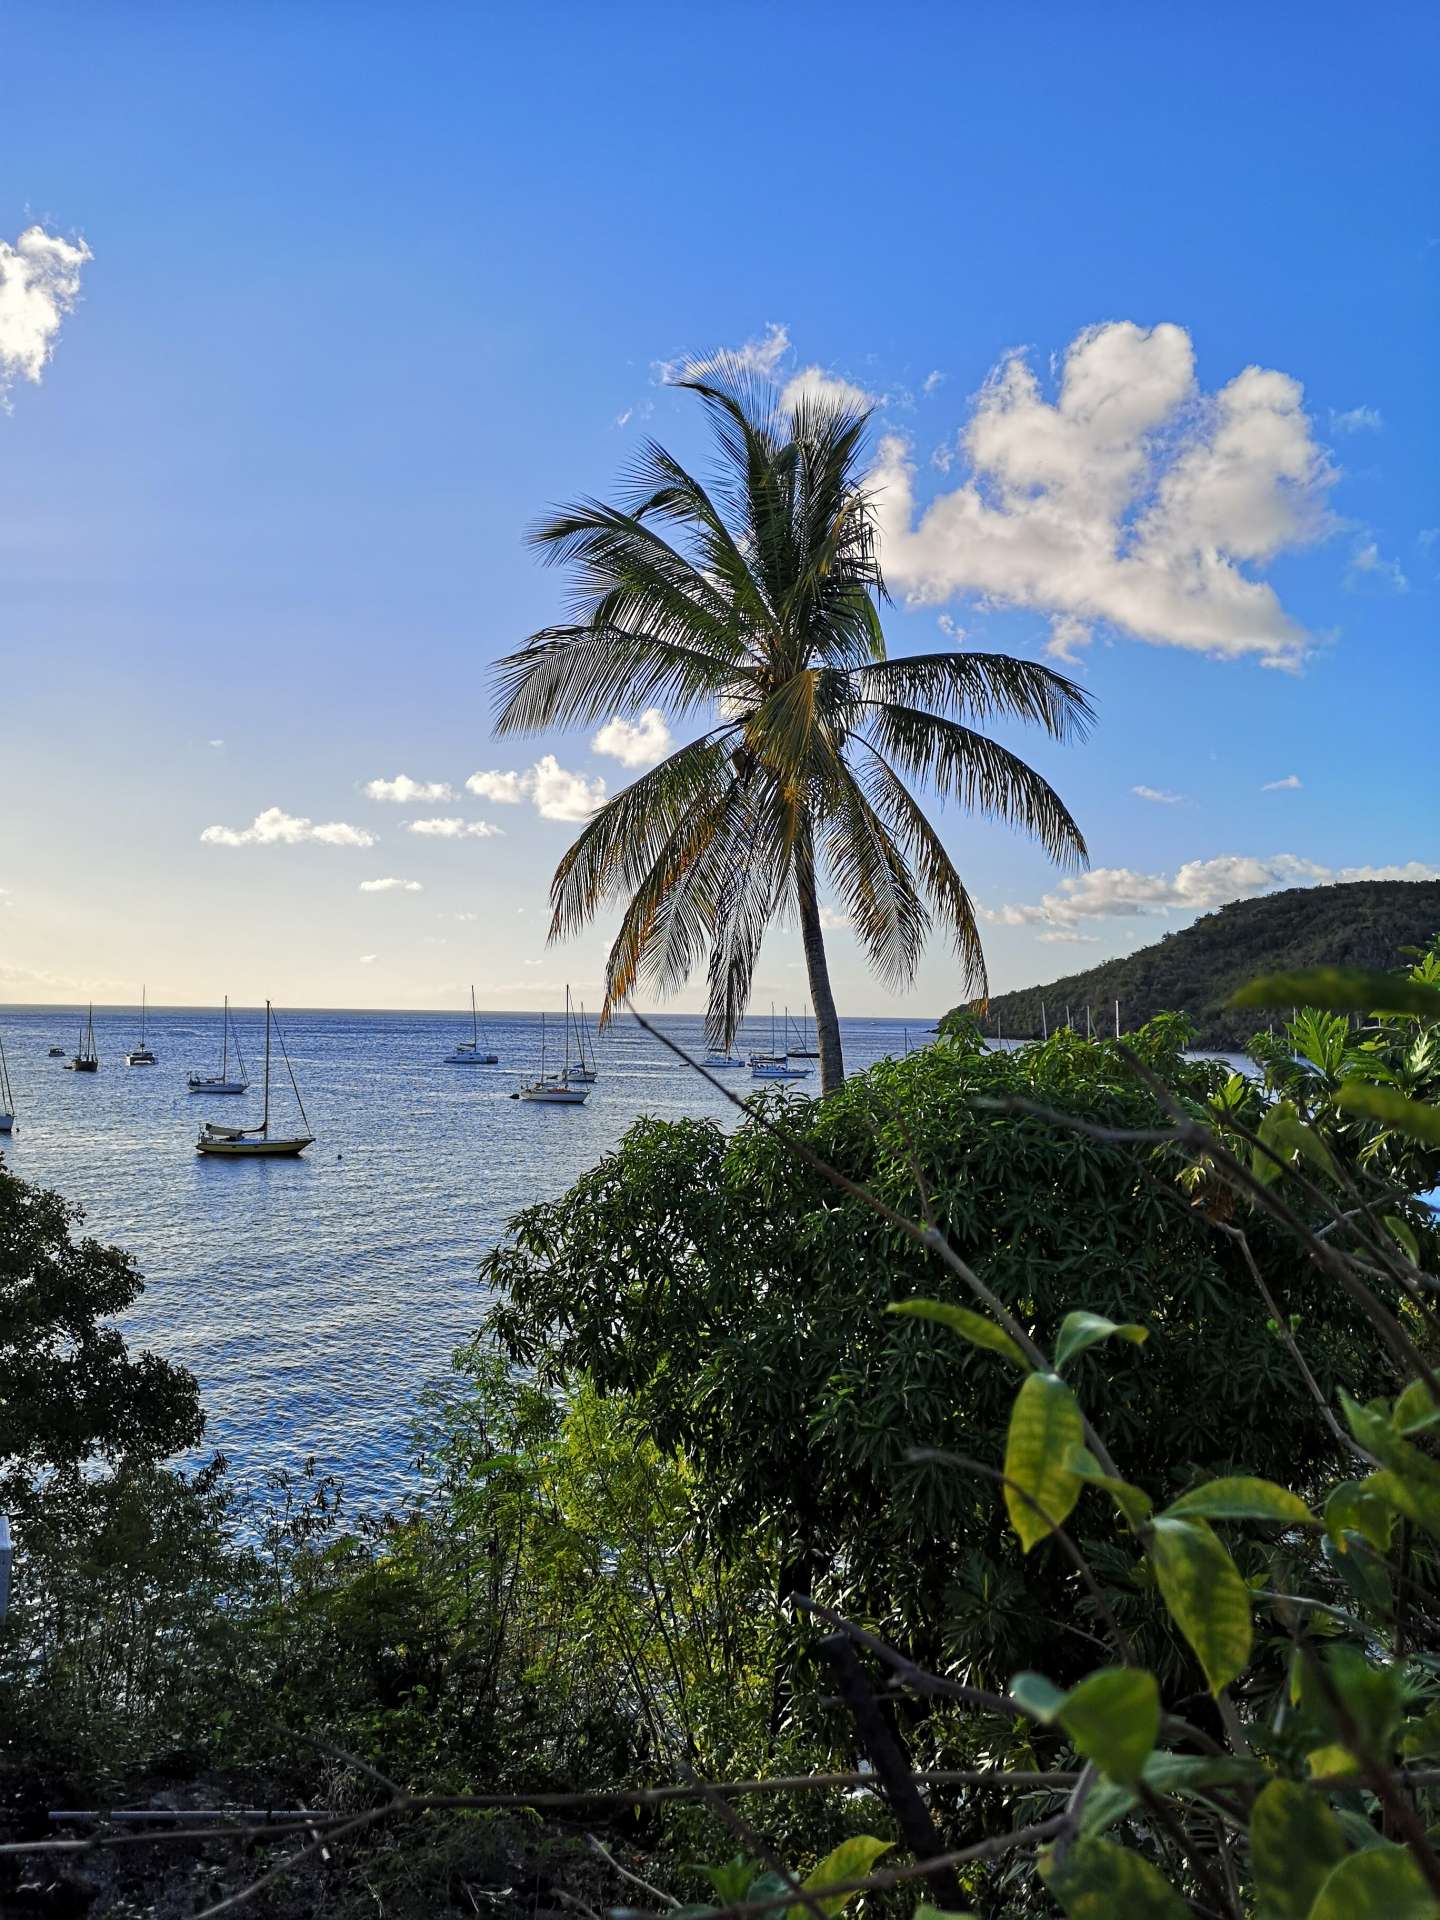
(753, 605)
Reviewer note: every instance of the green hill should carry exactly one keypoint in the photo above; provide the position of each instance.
(1361, 923)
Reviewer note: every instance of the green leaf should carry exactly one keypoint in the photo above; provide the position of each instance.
(1286, 1134)
(973, 1327)
(926, 1912)
(1242, 1498)
(1382, 1883)
(1414, 1409)
(1295, 1841)
(1341, 990)
(851, 1860)
(1134, 1503)
(1206, 1597)
(1183, 1774)
(1355, 1506)
(1099, 1881)
(1037, 1696)
(1045, 1430)
(1391, 1109)
(1081, 1330)
(1403, 1234)
(1411, 1480)
(1113, 1717)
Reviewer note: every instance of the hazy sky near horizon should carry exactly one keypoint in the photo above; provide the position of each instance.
(307, 313)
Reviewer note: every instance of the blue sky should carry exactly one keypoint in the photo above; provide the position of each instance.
(369, 287)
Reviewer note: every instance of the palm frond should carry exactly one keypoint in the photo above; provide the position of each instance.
(933, 866)
(981, 687)
(572, 676)
(872, 877)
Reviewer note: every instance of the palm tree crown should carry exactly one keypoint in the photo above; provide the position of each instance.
(755, 604)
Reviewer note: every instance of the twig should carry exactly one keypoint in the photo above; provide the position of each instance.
(602, 1852)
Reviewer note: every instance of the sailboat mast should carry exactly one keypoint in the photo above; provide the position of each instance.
(265, 1118)
(142, 1016)
(225, 1040)
(474, 1024)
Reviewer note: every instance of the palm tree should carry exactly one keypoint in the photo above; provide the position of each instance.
(754, 603)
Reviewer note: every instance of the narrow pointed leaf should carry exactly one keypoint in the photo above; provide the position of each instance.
(973, 1327)
(1081, 1330)
(1045, 1429)
(1295, 1842)
(1341, 990)
(1206, 1597)
(1391, 1109)
(1242, 1498)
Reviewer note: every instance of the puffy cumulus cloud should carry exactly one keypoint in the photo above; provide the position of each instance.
(1131, 499)
(391, 885)
(555, 793)
(1292, 783)
(1159, 796)
(402, 791)
(1112, 893)
(453, 828)
(276, 828)
(639, 743)
(815, 383)
(39, 284)
(832, 921)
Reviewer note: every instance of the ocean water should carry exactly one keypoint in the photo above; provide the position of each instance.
(314, 1298)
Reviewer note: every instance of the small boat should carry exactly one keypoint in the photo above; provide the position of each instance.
(7, 1098)
(555, 1090)
(224, 1081)
(86, 1060)
(467, 1052)
(722, 1060)
(772, 1065)
(57, 1053)
(141, 1056)
(583, 1072)
(803, 1052)
(258, 1143)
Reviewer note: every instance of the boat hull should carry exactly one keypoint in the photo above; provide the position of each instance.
(7, 1123)
(556, 1096)
(472, 1059)
(222, 1147)
(140, 1060)
(82, 1066)
(217, 1086)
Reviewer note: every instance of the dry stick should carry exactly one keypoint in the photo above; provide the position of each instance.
(914, 1677)
(598, 1848)
(931, 1239)
(1282, 1327)
(881, 1741)
(246, 1894)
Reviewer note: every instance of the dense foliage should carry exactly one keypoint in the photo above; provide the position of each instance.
(1363, 923)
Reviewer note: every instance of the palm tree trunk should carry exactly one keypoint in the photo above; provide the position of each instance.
(827, 1021)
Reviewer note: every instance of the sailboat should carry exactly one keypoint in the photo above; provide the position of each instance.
(555, 1090)
(772, 1065)
(584, 1071)
(255, 1143)
(86, 1059)
(467, 1052)
(140, 1056)
(224, 1081)
(7, 1098)
(803, 1052)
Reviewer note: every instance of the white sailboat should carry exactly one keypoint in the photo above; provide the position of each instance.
(141, 1056)
(86, 1059)
(467, 1052)
(224, 1081)
(772, 1065)
(804, 1051)
(256, 1143)
(555, 1090)
(7, 1098)
(584, 1071)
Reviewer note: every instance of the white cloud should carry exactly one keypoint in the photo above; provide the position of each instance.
(276, 828)
(403, 791)
(368, 959)
(763, 354)
(933, 381)
(39, 285)
(215, 743)
(1107, 893)
(391, 885)
(951, 628)
(556, 793)
(639, 744)
(1357, 420)
(1368, 559)
(1290, 784)
(815, 383)
(623, 419)
(832, 921)
(1159, 796)
(1060, 936)
(1131, 499)
(453, 829)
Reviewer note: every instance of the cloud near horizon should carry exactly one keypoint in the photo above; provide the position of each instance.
(454, 828)
(1131, 501)
(391, 885)
(555, 793)
(402, 791)
(276, 828)
(39, 285)
(1106, 893)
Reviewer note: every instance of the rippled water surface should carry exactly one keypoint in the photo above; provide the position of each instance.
(314, 1298)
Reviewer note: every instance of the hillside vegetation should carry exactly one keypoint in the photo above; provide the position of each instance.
(1363, 923)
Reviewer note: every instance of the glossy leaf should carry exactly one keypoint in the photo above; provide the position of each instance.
(1391, 1108)
(1205, 1595)
(1355, 1506)
(1415, 1408)
(851, 1860)
(1081, 1330)
(1045, 1430)
(1134, 1503)
(1382, 1883)
(1403, 1234)
(1341, 990)
(1099, 1881)
(1242, 1498)
(1295, 1842)
(1038, 1697)
(1411, 1479)
(1113, 1717)
(973, 1327)
(1286, 1134)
